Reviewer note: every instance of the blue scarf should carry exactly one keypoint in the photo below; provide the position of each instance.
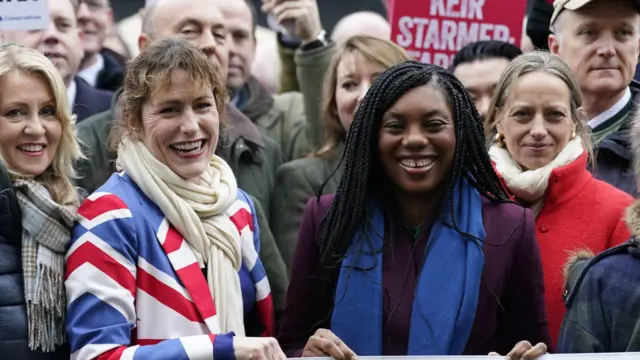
(446, 294)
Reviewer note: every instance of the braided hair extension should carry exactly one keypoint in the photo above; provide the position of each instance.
(363, 178)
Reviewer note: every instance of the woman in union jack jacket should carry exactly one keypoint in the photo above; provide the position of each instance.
(163, 262)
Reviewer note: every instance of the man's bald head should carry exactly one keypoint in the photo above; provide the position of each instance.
(198, 21)
(361, 23)
(147, 19)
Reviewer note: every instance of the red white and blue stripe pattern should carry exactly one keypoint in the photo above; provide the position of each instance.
(134, 287)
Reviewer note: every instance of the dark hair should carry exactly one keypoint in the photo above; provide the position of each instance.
(364, 179)
(481, 50)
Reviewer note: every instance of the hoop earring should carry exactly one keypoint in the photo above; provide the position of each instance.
(500, 140)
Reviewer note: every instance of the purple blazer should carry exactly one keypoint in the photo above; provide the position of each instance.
(511, 300)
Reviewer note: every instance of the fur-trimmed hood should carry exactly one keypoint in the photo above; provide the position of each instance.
(632, 215)
(635, 142)
(579, 261)
(632, 218)
(575, 264)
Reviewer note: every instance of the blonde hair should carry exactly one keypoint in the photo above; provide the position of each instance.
(151, 71)
(58, 177)
(545, 62)
(379, 51)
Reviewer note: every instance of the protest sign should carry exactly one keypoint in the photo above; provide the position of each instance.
(432, 31)
(24, 14)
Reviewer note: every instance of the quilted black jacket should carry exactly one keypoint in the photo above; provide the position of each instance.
(13, 314)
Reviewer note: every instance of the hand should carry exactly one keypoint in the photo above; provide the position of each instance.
(252, 348)
(525, 351)
(325, 343)
(303, 14)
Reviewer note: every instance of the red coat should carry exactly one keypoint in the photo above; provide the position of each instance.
(579, 212)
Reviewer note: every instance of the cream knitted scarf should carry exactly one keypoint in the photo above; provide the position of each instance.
(196, 208)
(531, 185)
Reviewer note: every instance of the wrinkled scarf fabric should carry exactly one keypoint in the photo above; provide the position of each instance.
(45, 237)
(446, 294)
(531, 185)
(196, 208)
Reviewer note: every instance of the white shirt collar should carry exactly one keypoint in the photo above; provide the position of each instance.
(609, 113)
(90, 74)
(71, 93)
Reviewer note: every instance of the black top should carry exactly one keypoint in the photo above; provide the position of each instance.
(539, 18)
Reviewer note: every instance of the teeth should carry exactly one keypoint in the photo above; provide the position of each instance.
(31, 148)
(188, 147)
(416, 163)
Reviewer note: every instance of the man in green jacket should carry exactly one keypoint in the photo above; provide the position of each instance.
(304, 65)
(281, 116)
(253, 157)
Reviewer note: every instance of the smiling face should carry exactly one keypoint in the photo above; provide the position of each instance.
(181, 124)
(536, 119)
(31, 130)
(600, 44)
(354, 74)
(94, 18)
(417, 141)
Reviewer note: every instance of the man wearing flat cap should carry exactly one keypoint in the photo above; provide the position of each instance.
(600, 41)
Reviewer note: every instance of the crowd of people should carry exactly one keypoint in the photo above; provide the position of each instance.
(190, 185)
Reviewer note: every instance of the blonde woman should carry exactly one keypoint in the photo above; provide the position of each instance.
(164, 261)
(353, 69)
(38, 204)
(541, 151)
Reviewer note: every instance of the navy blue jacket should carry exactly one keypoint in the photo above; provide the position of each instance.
(614, 156)
(89, 101)
(13, 314)
(111, 77)
(602, 296)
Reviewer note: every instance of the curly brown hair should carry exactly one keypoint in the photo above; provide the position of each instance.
(151, 72)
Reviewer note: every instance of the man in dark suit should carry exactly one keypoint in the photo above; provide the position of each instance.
(100, 67)
(61, 43)
(88, 100)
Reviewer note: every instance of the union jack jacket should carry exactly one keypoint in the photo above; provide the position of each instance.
(134, 287)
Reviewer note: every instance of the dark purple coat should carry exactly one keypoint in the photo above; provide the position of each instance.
(511, 300)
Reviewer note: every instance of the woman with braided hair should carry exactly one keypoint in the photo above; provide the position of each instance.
(420, 251)
(353, 68)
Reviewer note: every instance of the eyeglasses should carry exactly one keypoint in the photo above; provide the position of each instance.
(93, 5)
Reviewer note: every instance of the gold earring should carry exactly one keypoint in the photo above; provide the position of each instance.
(500, 139)
(573, 135)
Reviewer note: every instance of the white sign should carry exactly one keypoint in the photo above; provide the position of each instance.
(24, 14)
(601, 356)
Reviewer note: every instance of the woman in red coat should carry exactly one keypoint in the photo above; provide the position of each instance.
(540, 151)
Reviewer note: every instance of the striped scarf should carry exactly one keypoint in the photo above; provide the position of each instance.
(45, 236)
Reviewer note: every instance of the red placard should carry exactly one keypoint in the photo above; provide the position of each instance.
(432, 31)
